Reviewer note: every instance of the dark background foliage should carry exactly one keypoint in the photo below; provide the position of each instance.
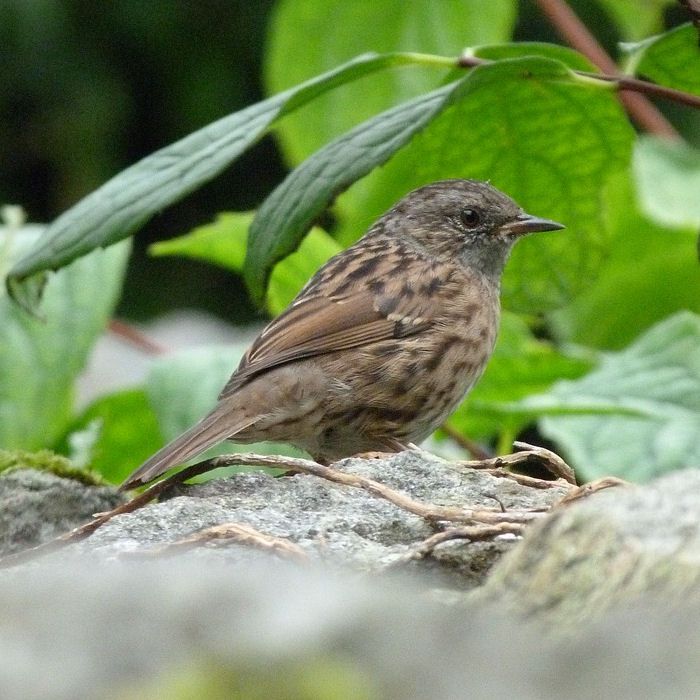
(89, 89)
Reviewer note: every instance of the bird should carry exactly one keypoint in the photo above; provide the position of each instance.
(382, 343)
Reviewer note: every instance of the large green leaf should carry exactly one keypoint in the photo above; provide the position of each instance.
(41, 357)
(352, 206)
(671, 59)
(287, 213)
(531, 126)
(128, 200)
(658, 378)
(224, 243)
(636, 19)
(651, 272)
(668, 181)
(336, 30)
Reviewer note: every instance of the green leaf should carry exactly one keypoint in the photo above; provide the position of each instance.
(41, 357)
(223, 243)
(668, 181)
(636, 19)
(127, 433)
(129, 199)
(520, 365)
(671, 59)
(341, 29)
(533, 128)
(287, 213)
(184, 386)
(567, 56)
(658, 377)
(650, 273)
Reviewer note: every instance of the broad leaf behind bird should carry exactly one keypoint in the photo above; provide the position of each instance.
(382, 343)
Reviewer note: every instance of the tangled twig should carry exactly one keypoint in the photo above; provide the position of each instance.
(484, 522)
(239, 533)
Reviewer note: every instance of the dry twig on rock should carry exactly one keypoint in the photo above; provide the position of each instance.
(238, 533)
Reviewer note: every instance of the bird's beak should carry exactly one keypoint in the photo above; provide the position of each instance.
(525, 223)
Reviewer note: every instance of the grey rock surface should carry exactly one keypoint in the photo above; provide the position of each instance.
(184, 628)
(611, 548)
(613, 581)
(336, 524)
(36, 506)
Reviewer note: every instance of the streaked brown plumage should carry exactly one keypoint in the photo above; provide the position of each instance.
(382, 343)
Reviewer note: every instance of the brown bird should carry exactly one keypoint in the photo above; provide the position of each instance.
(382, 343)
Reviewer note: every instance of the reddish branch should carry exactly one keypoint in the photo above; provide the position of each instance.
(135, 337)
(577, 35)
(623, 82)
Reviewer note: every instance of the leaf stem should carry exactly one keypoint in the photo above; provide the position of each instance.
(621, 82)
(578, 36)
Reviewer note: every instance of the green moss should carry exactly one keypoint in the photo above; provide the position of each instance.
(46, 460)
(312, 679)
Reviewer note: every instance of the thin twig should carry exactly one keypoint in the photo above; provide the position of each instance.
(135, 337)
(85, 530)
(430, 512)
(590, 488)
(238, 533)
(474, 449)
(623, 82)
(529, 455)
(577, 35)
(473, 533)
(522, 479)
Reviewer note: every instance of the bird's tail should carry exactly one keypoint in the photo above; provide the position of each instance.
(209, 431)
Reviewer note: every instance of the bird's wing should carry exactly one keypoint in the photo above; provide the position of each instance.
(316, 325)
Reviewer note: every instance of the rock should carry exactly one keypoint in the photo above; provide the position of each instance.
(613, 580)
(333, 523)
(88, 628)
(36, 506)
(614, 547)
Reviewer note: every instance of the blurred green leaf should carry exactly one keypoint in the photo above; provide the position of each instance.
(651, 273)
(342, 29)
(569, 57)
(183, 386)
(668, 181)
(670, 59)
(130, 198)
(224, 243)
(127, 433)
(658, 377)
(41, 357)
(521, 365)
(636, 19)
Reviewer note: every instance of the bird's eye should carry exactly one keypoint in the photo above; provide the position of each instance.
(470, 217)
